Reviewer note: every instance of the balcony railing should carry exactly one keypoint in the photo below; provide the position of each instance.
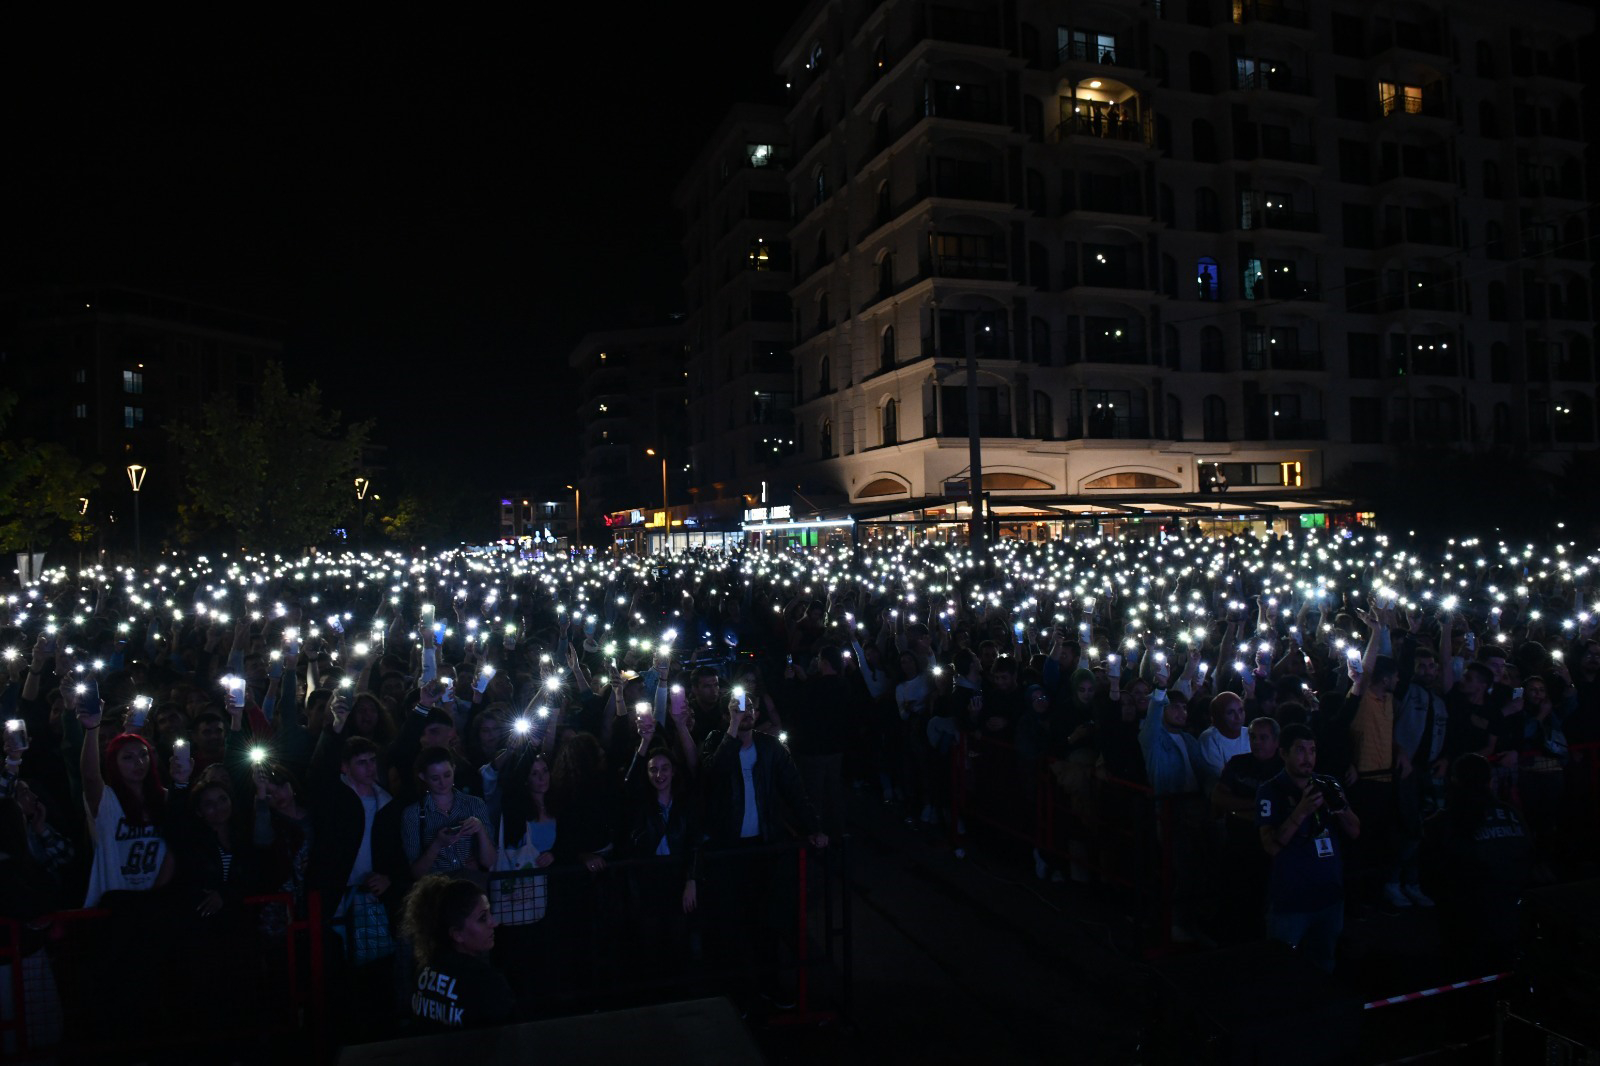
(955, 266)
(1124, 131)
(1270, 11)
(1299, 429)
(1273, 81)
(1123, 352)
(1281, 218)
(1289, 359)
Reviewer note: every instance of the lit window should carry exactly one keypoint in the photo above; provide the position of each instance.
(132, 417)
(760, 155)
(80, 410)
(132, 382)
(80, 376)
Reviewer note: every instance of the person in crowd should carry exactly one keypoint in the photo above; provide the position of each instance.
(1225, 738)
(452, 932)
(448, 832)
(1304, 820)
(1477, 856)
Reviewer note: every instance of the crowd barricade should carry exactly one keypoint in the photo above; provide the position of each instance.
(624, 938)
(246, 987)
(1118, 830)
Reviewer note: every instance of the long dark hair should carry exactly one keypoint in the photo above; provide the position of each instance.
(579, 774)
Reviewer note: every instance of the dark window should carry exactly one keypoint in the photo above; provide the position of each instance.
(891, 423)
(993, 419)
(1347, 36)
(1366, 420)
(1363, 349)
(1350, 98)
(1355, 163)
(886, 350)
(1200, 73)
(1358, 226)
(1205, 141)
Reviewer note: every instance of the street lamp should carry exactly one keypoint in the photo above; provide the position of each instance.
(577, 517)
(362, 485)
(136, 475)
(666, 516)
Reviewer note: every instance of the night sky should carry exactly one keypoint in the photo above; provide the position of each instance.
(436, 211)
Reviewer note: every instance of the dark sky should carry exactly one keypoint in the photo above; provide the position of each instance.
(437, 210)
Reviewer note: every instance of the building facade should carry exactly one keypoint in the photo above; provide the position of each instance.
(1175, 246)
(631, 422)
(738, 323)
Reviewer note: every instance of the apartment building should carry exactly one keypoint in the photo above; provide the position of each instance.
(738, 323)
(1180, 246)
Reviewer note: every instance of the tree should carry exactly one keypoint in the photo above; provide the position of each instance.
(40, 486)
(279, 476)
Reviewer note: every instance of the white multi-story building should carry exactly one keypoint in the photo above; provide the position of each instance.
(1272, 243)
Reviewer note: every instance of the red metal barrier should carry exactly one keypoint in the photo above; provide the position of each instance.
(303, 1009)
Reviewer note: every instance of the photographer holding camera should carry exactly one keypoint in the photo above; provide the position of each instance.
(1304, 819)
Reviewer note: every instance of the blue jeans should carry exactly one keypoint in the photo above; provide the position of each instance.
(1315, 934)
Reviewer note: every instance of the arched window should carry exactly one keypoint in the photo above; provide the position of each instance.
(1214, 415)
(1044, 419)
(1035, 192)
(880, 136)
(1497, 301)
(825, 376)
(1493, 243)
(1171, 347)
(1206, 277)
(1499, 363)
(1205, 141)
(884, 207)
(1491, 179)
(891, 422)
(1032, 117)
(1174, 417)
(1038, 265)
(814, 59)
(886, 350)
(825, 438)
(1200, 73)
(819, 125)
(1207, 215)
(820, 184)
(1487, 126)
(1485, 60)
(1502, 424)
(1212, 359)
(886, 275)
(1039, 341)
(880, 59)
(1169, 277)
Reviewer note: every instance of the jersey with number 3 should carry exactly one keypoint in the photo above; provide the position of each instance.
(1308, 872)
(126, 857)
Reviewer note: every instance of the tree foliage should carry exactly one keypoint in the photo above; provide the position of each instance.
(40, 486)
(278, 476)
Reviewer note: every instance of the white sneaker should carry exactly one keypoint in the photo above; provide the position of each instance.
(1394, 897)
(1415, 895)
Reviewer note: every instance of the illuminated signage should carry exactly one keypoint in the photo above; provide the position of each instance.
(767, 514)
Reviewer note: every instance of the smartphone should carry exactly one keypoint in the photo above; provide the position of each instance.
(16, 734)
(140, 710)
(484, 677)
(1516, 694)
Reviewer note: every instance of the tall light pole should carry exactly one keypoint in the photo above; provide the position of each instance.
(666, 517)
(136, 475)
(577, 517)
(362, 485)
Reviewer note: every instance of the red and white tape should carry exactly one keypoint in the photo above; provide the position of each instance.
(1426, 992)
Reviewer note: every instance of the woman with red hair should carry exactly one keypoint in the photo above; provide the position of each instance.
(125, 805)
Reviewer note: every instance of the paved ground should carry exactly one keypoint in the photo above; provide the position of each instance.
(974, 960)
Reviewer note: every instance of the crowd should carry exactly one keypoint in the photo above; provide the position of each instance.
(474, 761)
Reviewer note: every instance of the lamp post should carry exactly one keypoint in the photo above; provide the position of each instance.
(666, 518)
(136, 475)
(577, 517)
(362, 485)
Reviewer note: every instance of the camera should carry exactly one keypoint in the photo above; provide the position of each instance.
(1333, 797)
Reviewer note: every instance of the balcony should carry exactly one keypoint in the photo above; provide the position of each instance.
(1281, 218)
(1082, 129)
(956, 266)
(1299, 429)
(1435, 232)
(1274, 81)
(960, 26)
(1122, 352)
(1269, 12)
(1283, 359)
(1288, 152)
(1419, 298)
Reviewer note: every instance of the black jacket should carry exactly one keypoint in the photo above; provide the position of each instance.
(645, 829)
(338, 821)
(775, 777)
